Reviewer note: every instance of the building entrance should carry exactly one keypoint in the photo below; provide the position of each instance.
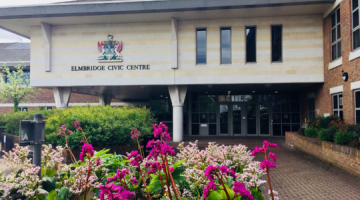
(241, 119)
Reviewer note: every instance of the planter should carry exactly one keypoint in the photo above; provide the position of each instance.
(343, 157)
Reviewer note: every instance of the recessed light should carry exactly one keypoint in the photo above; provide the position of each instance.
(253, 91)
(166, 97)
(161, 95)
(276, 92)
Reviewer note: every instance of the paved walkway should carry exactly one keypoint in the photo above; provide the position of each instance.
(300, 176)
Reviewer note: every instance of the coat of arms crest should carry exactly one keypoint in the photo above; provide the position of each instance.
(110, 49)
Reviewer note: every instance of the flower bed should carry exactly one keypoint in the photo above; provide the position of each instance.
(344, 157)
(218, 172)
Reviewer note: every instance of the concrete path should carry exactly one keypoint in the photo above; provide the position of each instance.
(299, 176)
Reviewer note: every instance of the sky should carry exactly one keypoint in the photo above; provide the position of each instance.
(7, 37)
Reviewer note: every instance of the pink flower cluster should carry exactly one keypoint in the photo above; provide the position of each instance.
(211, 170)
(210, 186)
(162, 131)
(120, 174)
(63, 130)
(86, 149)
(240, 189)
(266, 163)
(159, 148)
(154, 167)
(115, 192)
(135, 157)
(135, 133)
(77, 125)
(264, 148)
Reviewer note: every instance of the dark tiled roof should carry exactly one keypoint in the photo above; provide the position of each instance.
(14, 52)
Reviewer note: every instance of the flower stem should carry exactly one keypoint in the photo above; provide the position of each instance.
(141, 153)
(172, 179)
(84, 136)
(144, 183)
(268, 177)
(162, 185)
(87, 178)
(222, 183)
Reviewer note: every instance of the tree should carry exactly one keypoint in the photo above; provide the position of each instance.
(16, 88)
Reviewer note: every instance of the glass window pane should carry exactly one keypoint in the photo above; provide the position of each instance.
(357, 100)
(194, 107)
(250, 44)
(277, 130)
(358, 117)
(286, 107)
(333, 35)
(276, 45)
(333, 20)
(195, 118)
(356, 37)
(276, 107)
(338, 16)
(341, 115)
(340, 102)
(295, 118)
(295, 107)
(285, 128)
(226, 45)
(285, 118)
(212, 129)
(338, 51)
(204, 118)
(336, 114)
(355, 18)
(195, 128)
(212, 118)
(295, 127)
(201, 46)
(333, 52)
(276, 118)
(355, 4)
(338, 32)
(335, 101)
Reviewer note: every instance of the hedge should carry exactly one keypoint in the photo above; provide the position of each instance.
(103, 126)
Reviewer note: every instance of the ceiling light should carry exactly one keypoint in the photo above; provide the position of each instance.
(161, 95)
(167, 97)
(229, 92)
(276, 92)
(253, 91)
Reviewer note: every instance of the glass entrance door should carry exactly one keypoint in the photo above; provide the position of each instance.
(264, 118)
(251, 113)
(237, 119)
(224, 119)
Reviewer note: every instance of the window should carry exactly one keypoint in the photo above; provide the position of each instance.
(311, 108)
(357, 107)
(276, 43)
(25, 78)
(45, 108)
(200, 46)
(335, 35)
(356, 23)
(24, 109)
(250, 44)
(338, 106)
(225, 45)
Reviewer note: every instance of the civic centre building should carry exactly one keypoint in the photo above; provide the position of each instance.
(204, 67)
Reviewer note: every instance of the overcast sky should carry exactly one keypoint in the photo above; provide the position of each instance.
(6, 36)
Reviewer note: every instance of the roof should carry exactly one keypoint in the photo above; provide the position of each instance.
(14, 52)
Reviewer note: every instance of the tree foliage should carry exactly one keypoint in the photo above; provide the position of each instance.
(17, 88)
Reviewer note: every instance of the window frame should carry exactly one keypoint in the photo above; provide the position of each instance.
(355, 102)
(201, 29)
(338, 109)
(246, 61)
(282, 43)
(221, 58)
(352, 22)
(337, 24)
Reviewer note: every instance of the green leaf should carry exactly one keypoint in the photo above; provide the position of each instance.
(41, 196)
(214, 196)
(256, 193)
(50, 173)
(230, 181)
(63, 194)
(178, 163)
(52, 195)
(49, 183)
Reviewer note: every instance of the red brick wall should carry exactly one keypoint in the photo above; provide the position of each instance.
(333, 77)
(343, 157)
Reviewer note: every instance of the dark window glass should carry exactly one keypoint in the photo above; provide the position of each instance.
(295, 107)
(340, 102)
(356, 36)
(333, 52)
(335, 101)
(341, 115)
(355, 18)
(333, 35)
(276, 118)
(195, 118)
(286, 107)
(295, 96)
(357, 98)
(204, 118)
(195, 129)
(338, 32)
(285, 128)
(295, 118)
(276, 43)
(358, 117)
(355, 4)
(201, 46)
(338, 16)
(194, 107)
(277, 129)
(250, 44)
(212, 117)
(336, 113)
(212, 129)
(285, 118)
(338, 46)
(333, 20)
(225, 45)
(276, 107)
(295, 127)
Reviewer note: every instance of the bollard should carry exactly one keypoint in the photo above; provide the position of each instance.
(33, 133)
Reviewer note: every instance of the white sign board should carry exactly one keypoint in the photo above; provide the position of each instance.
(326, 114)
(4, 138)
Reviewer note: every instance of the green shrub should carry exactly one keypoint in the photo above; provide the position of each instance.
(322, 122)
(103, 126)
(345, 137)
(311, 132)
(11, 121)
(327, 134)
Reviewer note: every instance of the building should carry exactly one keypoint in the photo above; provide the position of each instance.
(205, 67)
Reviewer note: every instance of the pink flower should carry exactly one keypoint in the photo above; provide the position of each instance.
(63, 130)
(161, 130)
(210, 171)
(223, 169)
(273, 156)
(159, 148)
(135, 133)
(232, 173)
(240, 189)
(273, 145)
(210, 186)
(77, 125)
(134, 181)
(256, 150)
(171, 169)
(136, 158)
(98, 162)
(154, 167)
(86, 149)
(266, 163)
